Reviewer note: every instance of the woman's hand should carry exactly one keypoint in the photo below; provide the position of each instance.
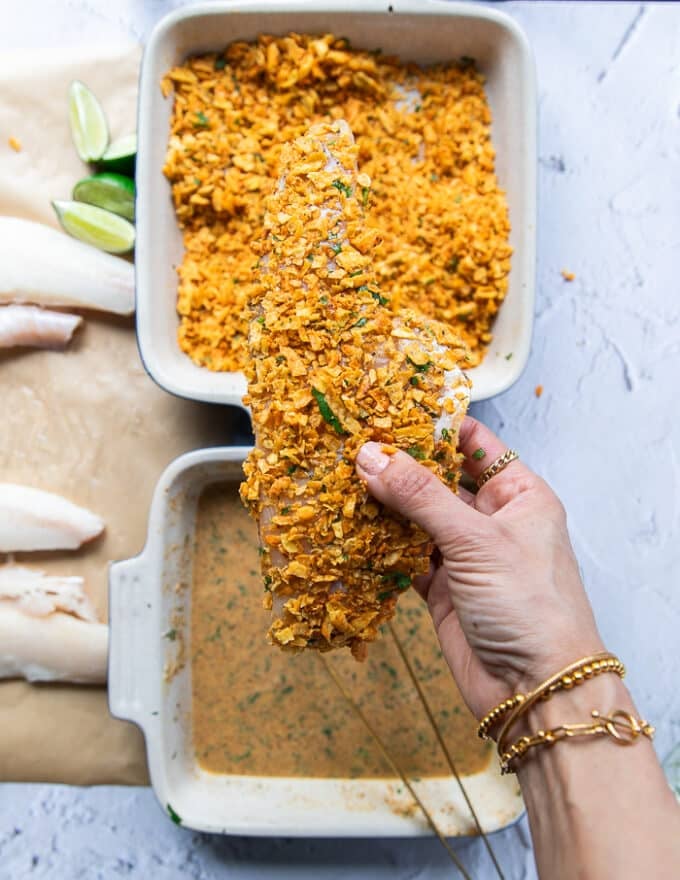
(504, 588)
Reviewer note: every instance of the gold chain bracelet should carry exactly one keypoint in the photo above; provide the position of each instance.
(567, 678)
(623, 727)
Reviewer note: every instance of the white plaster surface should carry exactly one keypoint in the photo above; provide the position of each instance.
(605, 433)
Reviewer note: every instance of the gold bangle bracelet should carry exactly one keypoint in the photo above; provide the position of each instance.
(567, 678)
(620, 725)
(571, 675)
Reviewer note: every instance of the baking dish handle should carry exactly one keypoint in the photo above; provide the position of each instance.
(131, 615)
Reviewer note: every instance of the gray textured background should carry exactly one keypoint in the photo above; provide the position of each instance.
(605, 433)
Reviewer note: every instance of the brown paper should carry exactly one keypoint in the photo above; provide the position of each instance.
(87, 423)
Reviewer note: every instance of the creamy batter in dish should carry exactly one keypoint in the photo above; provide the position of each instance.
(261, 712)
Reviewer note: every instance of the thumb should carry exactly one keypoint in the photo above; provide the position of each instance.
(403, 485)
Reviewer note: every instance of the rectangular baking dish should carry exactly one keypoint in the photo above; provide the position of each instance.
(150, 684)
(426, 31)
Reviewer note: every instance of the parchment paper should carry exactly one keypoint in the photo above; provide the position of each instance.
(87, 423)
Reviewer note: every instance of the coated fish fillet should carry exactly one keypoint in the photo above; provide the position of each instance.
(42, 266)
(48, 629)
(31, 519)
(38, 328)
(331, 367)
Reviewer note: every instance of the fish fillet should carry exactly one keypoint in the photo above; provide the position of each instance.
(48, 629)
(42, 266)
(332, 367)
(38, 328)
(31, 519)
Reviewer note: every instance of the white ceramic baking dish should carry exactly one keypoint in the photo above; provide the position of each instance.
(149, 596)
(425, 31)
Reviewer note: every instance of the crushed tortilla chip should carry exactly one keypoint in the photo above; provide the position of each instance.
(568, 276)
(15, 144)
(424, 143)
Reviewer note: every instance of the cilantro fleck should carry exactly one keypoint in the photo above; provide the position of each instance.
(291, 469)
(310, 258)
(171, 634)
(434, 177)
(280, 359)
(323, 300)
(449, 475)
(377, 296)
(401, 581)
(384, 595)
(446, 435)
(452, 265)
(261, 551)
(173, 815)
(355, 273)
(420, 368)
(508, 356)
(429, 281)
(201, 120)
(336, 247)
(416, 452)
(365, 193)
(467, 61)
(414, 380)
(197, 181)
(342, 187)
(326, 412)
(267, 583)
(285, 510)
(361, 322)
(260, 320)
(220, 63)
(478, 454)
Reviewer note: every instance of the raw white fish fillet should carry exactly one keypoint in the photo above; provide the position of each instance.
(58, 647)
(45, 267)
(39, 594)
(49, 629)
(31, 519)
(38, 328)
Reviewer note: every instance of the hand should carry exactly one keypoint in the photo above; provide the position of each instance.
(504, 589)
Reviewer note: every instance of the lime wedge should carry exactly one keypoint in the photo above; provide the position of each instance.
(88, 124)
(95, 226)
(113, 192)
(121, 155)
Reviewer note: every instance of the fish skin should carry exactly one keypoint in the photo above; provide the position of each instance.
(30, 326)
(31, 519)
(58, 647)
(42, 266)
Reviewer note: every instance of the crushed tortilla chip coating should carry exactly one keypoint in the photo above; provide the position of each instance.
(423, 140)
(331, 367)
(567, 275)
(15, 144)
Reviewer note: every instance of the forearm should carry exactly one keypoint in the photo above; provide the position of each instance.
(598, 809)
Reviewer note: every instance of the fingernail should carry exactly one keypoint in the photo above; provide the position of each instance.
(371, 459)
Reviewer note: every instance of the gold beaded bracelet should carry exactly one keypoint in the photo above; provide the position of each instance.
(574, 674)
(623, 727)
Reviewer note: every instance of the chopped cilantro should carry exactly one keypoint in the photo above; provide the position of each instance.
(326, 412)
(384, 595)
(342, 187)
(446, 435)
(173, 815)
(434, 177)
(361, 322)
(452, 265)
(201, 120)
(365, 193)
(171, 634)
(401, 581)
(355, 273)
(285, 510)
(478, 454)
(260, 320)
(220, 63)
(508, 356)
(291, 469)
(420, 368)
(414, 380)
(323, 300)
(416, 452)
(336, 247)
